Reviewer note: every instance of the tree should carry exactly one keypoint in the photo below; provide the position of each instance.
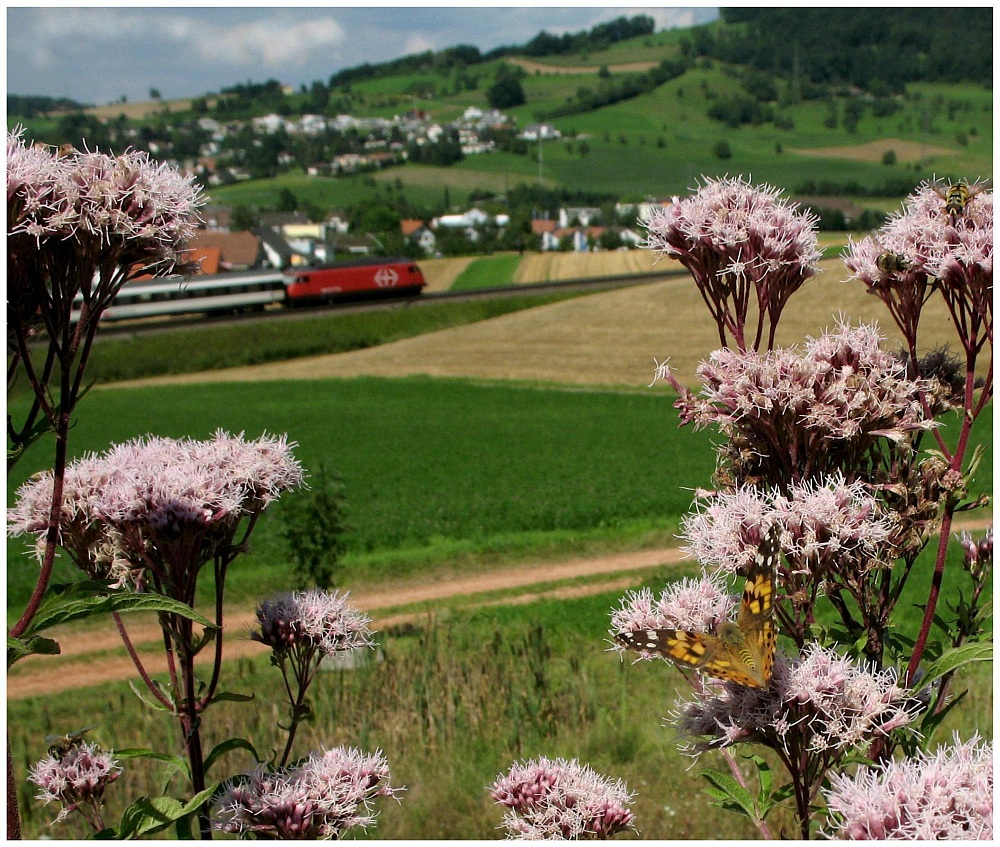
(154, 94)
(721, 150)
(243, 218)
(506, 92)
(286, 201)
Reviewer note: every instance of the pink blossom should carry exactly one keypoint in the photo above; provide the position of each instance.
(924, 249)
(692, 604)
(316, 619)
(127, 201)
(321, 798)
(735, 237)
(827, 526)
(790, 414)
(942, 796)
(167, 504)
(820, 702)
(77, 779)
(555, 799)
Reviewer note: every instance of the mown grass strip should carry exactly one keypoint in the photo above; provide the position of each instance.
(487, 273)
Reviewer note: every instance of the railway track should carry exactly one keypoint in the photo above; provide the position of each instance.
(167, 323)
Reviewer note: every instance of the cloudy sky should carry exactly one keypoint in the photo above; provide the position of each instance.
(97, 54)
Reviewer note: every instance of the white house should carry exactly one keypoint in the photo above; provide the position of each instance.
(582, 215)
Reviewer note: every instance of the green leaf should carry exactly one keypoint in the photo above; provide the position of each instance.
(85, 599)
(231, 697)
(19, 648)
(228, 746)
(146, 700)
(733, 795)
(178, 762)
(149, 815)
(950, 660)
(765, 776)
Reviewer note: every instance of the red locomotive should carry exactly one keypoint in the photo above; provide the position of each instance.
(353, 280)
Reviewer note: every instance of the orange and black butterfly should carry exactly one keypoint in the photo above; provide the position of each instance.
(741, 652)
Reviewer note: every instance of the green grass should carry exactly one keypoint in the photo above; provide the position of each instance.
(487, 273)
(456, 700)
(435, 470)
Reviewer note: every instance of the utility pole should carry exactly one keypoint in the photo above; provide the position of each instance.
(539, 157)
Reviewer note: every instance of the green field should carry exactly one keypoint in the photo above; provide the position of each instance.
(435, 469)
(487, 273)
(666, 138)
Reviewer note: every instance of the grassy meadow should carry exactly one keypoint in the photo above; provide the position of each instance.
(453, 702)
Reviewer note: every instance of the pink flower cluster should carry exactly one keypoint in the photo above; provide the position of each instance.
(821, 702)
(734, 237)
(828, 526)
(321, 798)
(77, 779)
(925, 245)
(73, 195)
(316, 619)
(157, 501)
(791, 415)
(555, 799)
(694, 604)
(944, 796)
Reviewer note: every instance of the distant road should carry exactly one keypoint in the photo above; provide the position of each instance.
(533, 67)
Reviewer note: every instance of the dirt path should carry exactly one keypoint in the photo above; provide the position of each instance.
(84, 660)
(81, 662)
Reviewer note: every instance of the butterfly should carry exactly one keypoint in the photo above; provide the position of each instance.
(741, 652)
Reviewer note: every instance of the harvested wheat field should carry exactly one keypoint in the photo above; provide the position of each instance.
(442, 273)
(558, 267)
(538, 67)
(610, 338)
(906, 151)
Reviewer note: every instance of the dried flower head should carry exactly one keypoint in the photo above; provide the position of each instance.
(735, 238)
(944, 796)
(314, 619)
(158, 503)
(320, 798)
(555, 799)
(76, 779)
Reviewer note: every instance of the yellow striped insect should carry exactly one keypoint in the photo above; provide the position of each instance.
(741, 652)
(956, 199)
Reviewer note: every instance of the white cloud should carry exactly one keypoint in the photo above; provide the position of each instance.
(270, 43)
(418, 43)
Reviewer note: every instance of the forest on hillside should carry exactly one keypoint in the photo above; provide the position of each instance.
(876, 49)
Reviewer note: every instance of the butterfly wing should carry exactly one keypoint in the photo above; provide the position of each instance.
(742, 652)
(686, 648)
(756, 615)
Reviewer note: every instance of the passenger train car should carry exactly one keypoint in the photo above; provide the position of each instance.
(236, 292)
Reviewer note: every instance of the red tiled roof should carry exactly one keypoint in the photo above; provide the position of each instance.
(410, 226)
(235, 248)
(539, 226)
